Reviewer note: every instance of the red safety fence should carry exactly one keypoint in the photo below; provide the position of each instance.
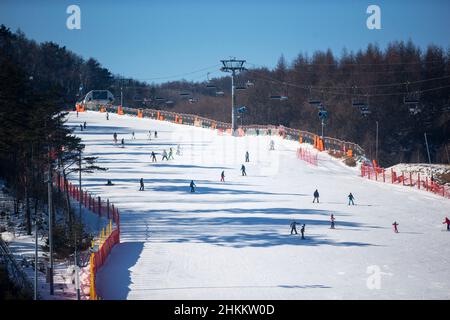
(409, 179)
(108, 239)
(306, 155)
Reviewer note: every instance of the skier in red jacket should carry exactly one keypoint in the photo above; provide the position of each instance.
(447, 221)
(395, 224)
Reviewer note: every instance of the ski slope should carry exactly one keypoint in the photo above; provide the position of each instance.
(232, 240)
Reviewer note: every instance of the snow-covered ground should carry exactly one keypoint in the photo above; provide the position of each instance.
(22, 246)
(231, 240)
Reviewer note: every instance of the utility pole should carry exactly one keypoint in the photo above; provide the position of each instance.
(121, 92)
(79, 184)
(376, 145)
(233, 66)
(323, 123)
(50, 219)
(35, 257)
(428, 149)
(77, 279)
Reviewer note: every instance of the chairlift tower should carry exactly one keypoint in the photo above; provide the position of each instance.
(233, 66)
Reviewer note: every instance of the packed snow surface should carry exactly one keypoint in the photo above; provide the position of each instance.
(231, 240)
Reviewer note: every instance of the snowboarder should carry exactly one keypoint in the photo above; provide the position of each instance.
(153, 156)
(350, 199)
(81, 127)
(395, 224)
(132, 135)
(447, 221)
(272, 145)
(222, 177)
(294, 227)
(332, 218)
(247, 157)
(115, 137)
(156, 134)
(192, 185)
(107, 116)
(164, 155)
(123, 143)
(142, 184)
(84, 124)
(170, 154)
(302, 230)
(316, 196)
(243, 170)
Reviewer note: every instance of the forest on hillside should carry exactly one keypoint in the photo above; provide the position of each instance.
(380, 80)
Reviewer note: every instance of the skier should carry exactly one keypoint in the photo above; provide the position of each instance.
(332, 221)
(302, 230)
(109, 183)
(272, 145)
(222, 177)
(84, 124)
(107, 116)
(178, 150)
(164, 155)
(132, 135)
(149, 134)
(447, 221)
(153, 156)
(123, 143)
(395, 224)
(350, 199)
(243, 170)
(156, 134)
(294, 227)
(142, 184)
(81, 127)
(316, 196)
(115, 137)
(192, 185)
(77, 113)
(247, 157)
(170, 154)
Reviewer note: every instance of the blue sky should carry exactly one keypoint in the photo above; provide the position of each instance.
(154, 39)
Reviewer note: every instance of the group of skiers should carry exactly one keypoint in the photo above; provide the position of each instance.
(294, 229)
(302, 230)
(150, 134)
(351, 197)
(82, 126)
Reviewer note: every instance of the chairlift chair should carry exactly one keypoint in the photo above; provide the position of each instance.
(313, 100)
(209, 85)
(365, 111)
(281, 97)
(411, 98)
(358, 103)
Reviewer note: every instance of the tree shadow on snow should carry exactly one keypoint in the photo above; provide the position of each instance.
(114, 279)
(237, 232)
